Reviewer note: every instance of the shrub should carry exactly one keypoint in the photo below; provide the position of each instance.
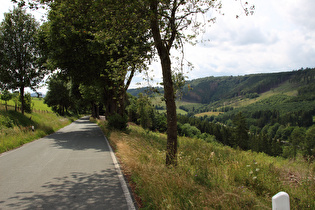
(117, 122)
(6, 121)
(189, 131)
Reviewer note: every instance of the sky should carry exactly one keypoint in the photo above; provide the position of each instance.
(280, 36)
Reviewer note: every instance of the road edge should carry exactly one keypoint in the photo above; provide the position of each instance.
(129, 200)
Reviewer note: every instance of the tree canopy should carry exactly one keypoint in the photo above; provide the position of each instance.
(19, 53)
(100, 44)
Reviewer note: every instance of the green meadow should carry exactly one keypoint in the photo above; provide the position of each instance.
(17, 129)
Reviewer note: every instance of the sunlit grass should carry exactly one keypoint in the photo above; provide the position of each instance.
(38, 105)
(21, 131)
(209, 175)
(208, 114)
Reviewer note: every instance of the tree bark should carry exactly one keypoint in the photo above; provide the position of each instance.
(163, 52)
(22, 99)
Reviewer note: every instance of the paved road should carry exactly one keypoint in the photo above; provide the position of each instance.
(71, 169)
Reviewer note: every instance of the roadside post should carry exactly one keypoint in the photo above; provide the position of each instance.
(281, 201)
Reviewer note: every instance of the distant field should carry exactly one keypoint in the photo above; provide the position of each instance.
(208, 114)
(178, 111)
(40, 105)
(158, 101)
(37, 102)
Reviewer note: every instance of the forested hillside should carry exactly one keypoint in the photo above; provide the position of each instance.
(211, 89)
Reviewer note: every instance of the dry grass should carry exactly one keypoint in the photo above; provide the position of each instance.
(208, 176)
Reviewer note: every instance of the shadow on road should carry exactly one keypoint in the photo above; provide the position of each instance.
(76, 191)
(84, 135)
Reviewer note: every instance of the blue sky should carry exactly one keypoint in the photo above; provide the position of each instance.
(280, 36)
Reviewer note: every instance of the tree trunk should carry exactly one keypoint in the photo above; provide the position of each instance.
(22, 99)
(171, 151)
(95, 110)
(163, 51)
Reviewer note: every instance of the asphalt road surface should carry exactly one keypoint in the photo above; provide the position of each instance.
(73, 168)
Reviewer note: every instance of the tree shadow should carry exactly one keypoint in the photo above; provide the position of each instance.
(77, 191)
(84, 137)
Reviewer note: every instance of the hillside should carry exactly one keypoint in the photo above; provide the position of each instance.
(211, 89)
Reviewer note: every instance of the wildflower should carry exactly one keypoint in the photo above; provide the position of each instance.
(247, 166)
(257, 169)
(251, 172)
(255, 177)
(212, 154)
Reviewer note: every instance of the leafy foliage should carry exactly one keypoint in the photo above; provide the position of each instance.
(20, 56)
(6, 96)
(58, 95)
(117, 122)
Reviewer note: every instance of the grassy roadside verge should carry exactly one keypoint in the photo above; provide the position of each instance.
(16, 129)
(208, 175)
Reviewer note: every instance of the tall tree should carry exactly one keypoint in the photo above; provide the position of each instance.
(19, 55)
(241, 136)
(170, 24)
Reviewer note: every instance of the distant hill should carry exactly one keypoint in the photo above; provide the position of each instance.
(37, 95)
(145, 90)
(285, 98)
(211, 89)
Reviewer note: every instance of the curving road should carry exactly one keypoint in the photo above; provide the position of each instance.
(71, 169)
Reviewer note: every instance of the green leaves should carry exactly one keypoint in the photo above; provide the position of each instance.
(21, 65)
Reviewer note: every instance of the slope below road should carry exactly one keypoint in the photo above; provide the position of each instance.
(71, 169)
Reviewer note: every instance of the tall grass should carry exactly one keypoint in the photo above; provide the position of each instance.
(20, 130)
(209, 175)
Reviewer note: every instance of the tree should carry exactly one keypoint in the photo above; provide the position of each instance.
(168, 19)
(19, 54)
(58, 95)
(296, 138)
(6, 96)
(92, 95)
(308, 146)
(240, 132)
(144, 108)
(169, 23)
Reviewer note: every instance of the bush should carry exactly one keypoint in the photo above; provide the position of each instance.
(188, 130)
(118, 122)
(6, 121)
(28, 105)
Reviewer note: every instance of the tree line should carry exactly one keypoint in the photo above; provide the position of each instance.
(98, 46)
